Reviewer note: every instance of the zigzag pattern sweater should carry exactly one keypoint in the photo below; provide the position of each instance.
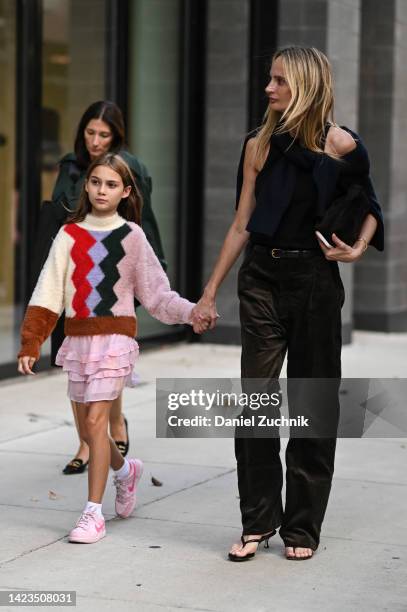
(94, 271)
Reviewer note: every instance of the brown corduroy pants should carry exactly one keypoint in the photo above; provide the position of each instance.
(288, 306)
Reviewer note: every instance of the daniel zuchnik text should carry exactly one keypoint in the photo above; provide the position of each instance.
(207, 401)
(256, 420)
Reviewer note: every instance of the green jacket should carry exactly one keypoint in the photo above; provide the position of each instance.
(70, 181)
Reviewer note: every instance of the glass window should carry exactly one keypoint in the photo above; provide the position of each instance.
(153, 116)
(73, 75)
(8, 237)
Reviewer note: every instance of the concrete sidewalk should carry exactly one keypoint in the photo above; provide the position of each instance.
(171, 554)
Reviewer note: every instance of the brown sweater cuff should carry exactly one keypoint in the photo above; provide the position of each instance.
(37, 325)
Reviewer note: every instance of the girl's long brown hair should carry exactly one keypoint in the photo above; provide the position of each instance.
(129, 208)
(309, 77)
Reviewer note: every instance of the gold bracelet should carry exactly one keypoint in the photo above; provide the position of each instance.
(363, 240)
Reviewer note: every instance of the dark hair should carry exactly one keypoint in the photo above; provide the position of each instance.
(129, 208)
(111, 114)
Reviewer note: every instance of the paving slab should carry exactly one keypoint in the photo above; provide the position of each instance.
(189, 571)
(171, 555)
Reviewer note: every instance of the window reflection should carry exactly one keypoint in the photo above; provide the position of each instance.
(73, 75)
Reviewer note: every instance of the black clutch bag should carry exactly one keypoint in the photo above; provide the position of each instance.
(345, 216)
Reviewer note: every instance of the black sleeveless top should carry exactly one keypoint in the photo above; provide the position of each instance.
(296, 229)
(296, 186)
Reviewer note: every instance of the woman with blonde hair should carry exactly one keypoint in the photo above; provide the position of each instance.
(291, 170)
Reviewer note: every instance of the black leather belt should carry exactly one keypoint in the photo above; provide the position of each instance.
(283, 253)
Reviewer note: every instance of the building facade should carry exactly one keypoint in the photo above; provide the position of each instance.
(365, 42)
(189, 76)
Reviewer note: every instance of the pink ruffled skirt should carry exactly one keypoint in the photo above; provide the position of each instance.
(99, 366)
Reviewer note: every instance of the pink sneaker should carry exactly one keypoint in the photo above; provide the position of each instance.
(126, 489)
(89, 529)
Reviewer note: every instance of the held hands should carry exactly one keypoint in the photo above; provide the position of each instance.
(342, 251)
(204, 315)
(25, 365)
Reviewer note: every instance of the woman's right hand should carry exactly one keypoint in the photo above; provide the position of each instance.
(205, 310)
(25, 365)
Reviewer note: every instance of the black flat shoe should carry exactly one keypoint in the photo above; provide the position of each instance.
(124, 446)
(76, 466)
(265, 538)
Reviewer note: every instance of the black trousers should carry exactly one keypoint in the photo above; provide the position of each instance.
(294, 306)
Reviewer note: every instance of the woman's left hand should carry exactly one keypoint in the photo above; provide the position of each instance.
(342, 251)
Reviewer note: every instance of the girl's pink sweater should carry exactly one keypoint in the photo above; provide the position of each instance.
(94, 271)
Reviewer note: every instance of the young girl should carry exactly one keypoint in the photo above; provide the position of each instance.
(99, 262)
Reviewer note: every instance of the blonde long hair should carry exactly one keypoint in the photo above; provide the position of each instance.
(309, 77)
(129, 208)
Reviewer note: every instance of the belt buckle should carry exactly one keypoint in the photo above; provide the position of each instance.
(273, 253)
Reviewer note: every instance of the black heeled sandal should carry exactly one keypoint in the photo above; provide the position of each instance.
(76, 466)
(265, 538)
(124, 446)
